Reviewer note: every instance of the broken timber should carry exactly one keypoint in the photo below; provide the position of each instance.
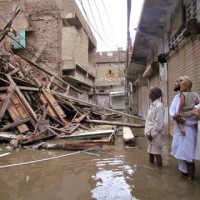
(94, 105)
(128, 136)
(34, 111)
(68, 146)
(115, 123)
(87, 134)
(49, 73)
(6, 100)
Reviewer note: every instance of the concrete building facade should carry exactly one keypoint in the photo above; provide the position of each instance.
(54, 34)
(110, 79)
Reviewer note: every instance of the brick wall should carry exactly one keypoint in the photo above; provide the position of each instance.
(64, 43)
(110, 68)
(109, 75)
(75, 46)
(69, 6)
(111, 56)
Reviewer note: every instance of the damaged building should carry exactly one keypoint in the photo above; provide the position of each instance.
(55, 35)
(110, 79)
(47, 70)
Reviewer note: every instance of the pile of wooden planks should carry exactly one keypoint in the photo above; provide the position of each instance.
(35, 105)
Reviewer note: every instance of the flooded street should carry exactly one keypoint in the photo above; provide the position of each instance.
(113, 172)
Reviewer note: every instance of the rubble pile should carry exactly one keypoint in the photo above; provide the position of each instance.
(35, 105)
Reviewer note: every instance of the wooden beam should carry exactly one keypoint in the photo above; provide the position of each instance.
(128, 136)
(14, 124)
(74, 128)
(5, 88)
(6, 100)
(28, 88)
(69, 146)
(97, 106)
(94, 133)
(38, 53)
(43, 135)
(18, 112)
(82, 117)
(53, 107)
(50, 82)
(115, 123)
(59, 130)
(14, 71)
(49, 73)
(24, 101)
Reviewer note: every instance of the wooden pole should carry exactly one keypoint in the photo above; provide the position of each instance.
(14, 124)
(115, 123)
(6, 100)
(87, 103)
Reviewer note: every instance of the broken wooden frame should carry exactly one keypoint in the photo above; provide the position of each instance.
(33, 112)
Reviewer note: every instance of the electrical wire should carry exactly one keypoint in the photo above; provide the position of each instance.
(88, 20)
(109, 22)
(100, 19)
(93, 15)
(33, 54)
(45, 159)
(13, 16)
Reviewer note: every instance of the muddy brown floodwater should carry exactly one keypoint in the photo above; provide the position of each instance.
(113, 172)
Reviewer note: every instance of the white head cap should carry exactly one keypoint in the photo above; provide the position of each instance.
(185, 78)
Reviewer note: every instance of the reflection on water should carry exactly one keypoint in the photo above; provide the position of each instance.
(111, 183)
(114, 172)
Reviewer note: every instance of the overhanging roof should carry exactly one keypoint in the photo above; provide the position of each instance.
(154, 15)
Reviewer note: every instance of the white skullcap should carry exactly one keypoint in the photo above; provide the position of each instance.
(185, 78)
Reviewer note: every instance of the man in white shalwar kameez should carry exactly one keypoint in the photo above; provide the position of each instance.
(154, 125)
(183, 146)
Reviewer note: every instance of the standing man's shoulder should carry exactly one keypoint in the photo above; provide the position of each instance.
(176, 99)
(176, 96)
(158, 103)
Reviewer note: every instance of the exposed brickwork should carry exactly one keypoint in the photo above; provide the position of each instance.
(110, 68)
(66, 43)
(75, 46)
(69, 6)
(107, 74)
(111, 56)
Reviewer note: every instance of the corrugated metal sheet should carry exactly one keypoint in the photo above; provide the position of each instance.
(185, 61)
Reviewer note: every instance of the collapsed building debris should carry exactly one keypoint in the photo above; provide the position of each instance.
(37, 105)
(32, 110)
